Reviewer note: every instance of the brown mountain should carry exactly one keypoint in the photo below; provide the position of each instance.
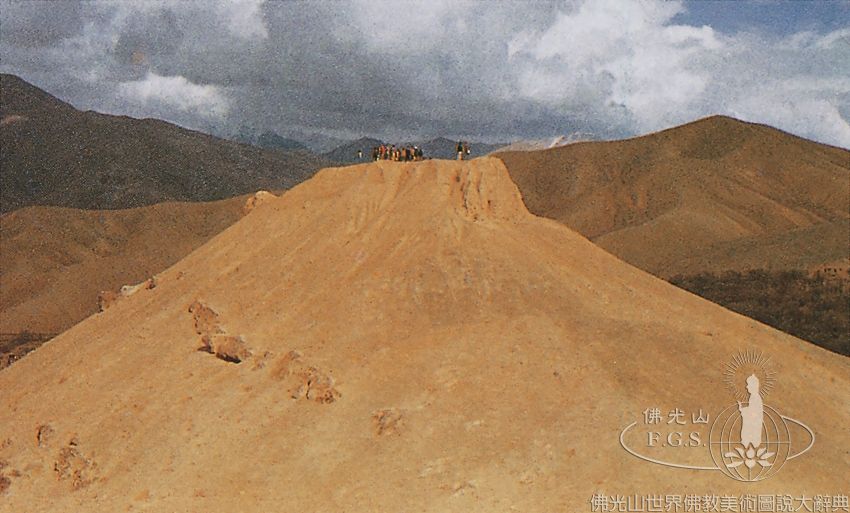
(53, 154)
(744, 214)
(56, 260)
(715, 194)
(401, 337)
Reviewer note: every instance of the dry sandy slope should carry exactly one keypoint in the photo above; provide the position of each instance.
(697, 197)
(54, 261)
(480, 358)
(804, 248)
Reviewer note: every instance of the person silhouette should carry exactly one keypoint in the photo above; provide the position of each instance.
(752, 415)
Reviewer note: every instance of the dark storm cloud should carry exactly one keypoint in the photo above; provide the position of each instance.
(406, 69)
(148, 35)
(40, 24)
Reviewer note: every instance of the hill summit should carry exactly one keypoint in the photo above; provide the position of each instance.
(392, 337)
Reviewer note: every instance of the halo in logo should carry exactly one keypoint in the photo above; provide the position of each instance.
(749, 363)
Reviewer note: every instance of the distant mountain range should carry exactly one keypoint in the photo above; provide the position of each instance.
(550, 142)
(273, 141)
(54, 154)
(289, 139)
(347, 153)
(317, 142)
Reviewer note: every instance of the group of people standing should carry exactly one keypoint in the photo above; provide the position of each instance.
(409, 153)
(398, 154)
(463, 150)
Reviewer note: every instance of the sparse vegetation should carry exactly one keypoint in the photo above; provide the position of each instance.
(814, 307)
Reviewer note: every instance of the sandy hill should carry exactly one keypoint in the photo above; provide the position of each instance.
(392, 337)
(56, 260)
(53, 154)
(697, 197)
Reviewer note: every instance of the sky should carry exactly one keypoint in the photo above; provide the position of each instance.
(489, 70)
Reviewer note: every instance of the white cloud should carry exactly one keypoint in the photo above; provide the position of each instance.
(807, 40)
(627, 61)
(501, 69)
(244, 18)
(628, 52)
(806, 116)
(176, 92)
(798, 83)
(424, 23)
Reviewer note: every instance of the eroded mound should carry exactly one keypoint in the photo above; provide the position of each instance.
(418, 341)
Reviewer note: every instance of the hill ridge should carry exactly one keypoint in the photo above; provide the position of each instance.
(685, 187)
(54, 154)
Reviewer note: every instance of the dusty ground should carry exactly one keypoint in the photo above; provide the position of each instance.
(408, 338)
